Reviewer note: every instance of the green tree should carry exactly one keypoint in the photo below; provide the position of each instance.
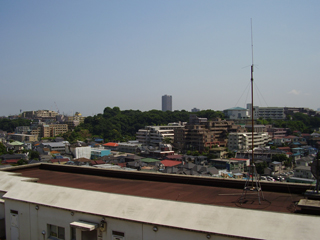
(3, 149)
(260, 167)
(34, 154)
(167, 140)
(279, 157)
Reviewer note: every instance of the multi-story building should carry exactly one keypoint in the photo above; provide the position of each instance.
(129, 147)
(293, 110)
(22, 129)
(55, 146)
(73, 121)
(200, 133)
(236, 113)
(166, 103)
(243, 141)
(39, 114)
(154, 135)
(50, 130)
(267, 112)
(53, 130)
(277, 132)
(258, 128)
(24, 137)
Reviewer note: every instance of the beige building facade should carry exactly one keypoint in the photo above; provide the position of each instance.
(200, 133)
(39, 114)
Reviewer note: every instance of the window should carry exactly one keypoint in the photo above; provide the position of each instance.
(117, 235)
(55, 232)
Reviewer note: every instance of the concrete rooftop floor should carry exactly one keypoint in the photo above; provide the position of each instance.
(187, 192)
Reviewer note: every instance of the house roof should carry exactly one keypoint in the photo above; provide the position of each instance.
(239, 159)
(81, 160)
(170, 163)
(59, 160)
(11, 161)
(174, 157)
(149, 160)
(54, 152)
(97, 162)
(111, 144)
(16, 143)
(308, 168)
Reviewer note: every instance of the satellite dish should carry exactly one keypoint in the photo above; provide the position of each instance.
(315, 169)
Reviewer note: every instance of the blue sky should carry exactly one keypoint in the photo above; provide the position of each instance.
(87, 55)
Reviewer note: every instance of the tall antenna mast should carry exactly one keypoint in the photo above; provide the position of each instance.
(252, 108)
(255, 184)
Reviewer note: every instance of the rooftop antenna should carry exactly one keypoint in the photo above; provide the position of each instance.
(252, 181)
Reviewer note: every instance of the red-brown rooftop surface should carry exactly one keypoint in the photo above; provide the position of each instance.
(170, 163)
(111, 144)
(275, 201)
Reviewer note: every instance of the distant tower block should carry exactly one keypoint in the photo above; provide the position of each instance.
(166, 103)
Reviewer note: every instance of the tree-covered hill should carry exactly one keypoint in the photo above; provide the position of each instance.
(116, 125)
(296, 122)
(10, 125)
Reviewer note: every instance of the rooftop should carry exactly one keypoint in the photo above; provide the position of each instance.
(281, 197)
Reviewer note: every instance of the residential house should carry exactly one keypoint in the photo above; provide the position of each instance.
(303, 172)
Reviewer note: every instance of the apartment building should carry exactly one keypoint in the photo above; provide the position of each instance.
(49, 130)
(24, 137)
(154, 135)
(75, 120)
(276, 113)
(200, 133)
(39, 114)
(243, 141)
(236, 113)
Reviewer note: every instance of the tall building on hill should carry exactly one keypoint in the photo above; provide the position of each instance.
(167, 103)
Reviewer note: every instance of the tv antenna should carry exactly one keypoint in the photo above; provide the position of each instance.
(252, 181)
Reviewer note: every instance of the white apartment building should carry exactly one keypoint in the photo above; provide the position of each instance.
(243, 141)
(236, 113)
(267, 112)
(154, 135)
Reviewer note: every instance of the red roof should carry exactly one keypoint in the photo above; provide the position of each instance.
(122, 164)
(11, 161)
(291, 136)
(239, 159)
(170, 163)
(96, 162)
(284, 148)
(111, 144)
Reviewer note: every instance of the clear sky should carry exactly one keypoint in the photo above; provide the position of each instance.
(81, 55)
